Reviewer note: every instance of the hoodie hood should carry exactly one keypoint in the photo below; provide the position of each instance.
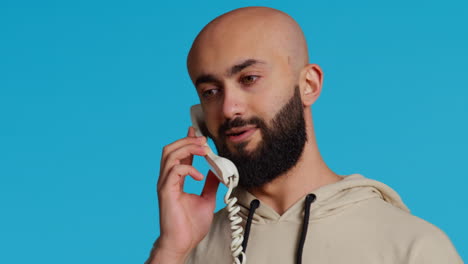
(330, 199)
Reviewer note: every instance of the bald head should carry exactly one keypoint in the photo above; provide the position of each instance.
(253, 32)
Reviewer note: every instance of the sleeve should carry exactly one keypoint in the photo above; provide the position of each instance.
(434, 247)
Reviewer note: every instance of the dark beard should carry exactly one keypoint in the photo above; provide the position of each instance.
(280, 149)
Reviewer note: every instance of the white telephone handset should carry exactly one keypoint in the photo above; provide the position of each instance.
(223, 168)
(227, 173)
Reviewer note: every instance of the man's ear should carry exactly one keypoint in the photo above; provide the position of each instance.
(311, 79)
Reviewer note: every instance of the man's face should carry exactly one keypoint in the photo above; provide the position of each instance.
(254, 113)
(245, 82)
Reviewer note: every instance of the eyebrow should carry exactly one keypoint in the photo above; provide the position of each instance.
(206, 78)
(239, 67)
(210, 78)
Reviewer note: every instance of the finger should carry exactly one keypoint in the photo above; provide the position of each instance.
(179, 143)
(189, 160)
(191, 132)
(176, 176)
(184, 152)
(211, 186)
(180, 155)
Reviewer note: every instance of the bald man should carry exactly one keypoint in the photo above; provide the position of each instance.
(251, 71)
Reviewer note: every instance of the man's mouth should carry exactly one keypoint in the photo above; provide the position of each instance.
(239, 134)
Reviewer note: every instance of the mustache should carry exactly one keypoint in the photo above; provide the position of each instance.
(239, 122)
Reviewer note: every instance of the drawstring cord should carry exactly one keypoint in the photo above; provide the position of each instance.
(253, 206)
(310, 198)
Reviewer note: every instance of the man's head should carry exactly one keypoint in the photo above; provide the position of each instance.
(250, 68)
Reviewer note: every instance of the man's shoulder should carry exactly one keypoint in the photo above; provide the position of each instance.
(419, 238)
(385, 215)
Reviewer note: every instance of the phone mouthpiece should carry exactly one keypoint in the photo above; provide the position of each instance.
(224, 169)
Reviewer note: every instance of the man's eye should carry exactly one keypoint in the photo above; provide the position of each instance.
(209, 93)
(249, 79)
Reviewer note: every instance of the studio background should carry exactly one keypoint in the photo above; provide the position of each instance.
(90, 92)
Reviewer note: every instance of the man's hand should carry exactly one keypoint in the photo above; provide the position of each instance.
(184, 218)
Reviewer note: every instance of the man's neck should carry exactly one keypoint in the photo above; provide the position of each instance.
(309, 174)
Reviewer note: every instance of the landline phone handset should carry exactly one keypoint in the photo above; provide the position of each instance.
(227, 173)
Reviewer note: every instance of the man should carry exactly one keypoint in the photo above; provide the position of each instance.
(251, 71)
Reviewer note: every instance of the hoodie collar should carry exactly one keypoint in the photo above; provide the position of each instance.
(331, 198)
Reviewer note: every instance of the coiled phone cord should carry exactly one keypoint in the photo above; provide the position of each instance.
(236, 229)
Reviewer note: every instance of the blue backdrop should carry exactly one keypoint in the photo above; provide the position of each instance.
(90, 91)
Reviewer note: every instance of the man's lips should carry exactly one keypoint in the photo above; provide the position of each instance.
(239, 134)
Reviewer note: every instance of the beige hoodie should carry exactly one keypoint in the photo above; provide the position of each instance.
(356, 220)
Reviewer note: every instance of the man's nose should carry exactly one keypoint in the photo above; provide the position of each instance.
(233, 103)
